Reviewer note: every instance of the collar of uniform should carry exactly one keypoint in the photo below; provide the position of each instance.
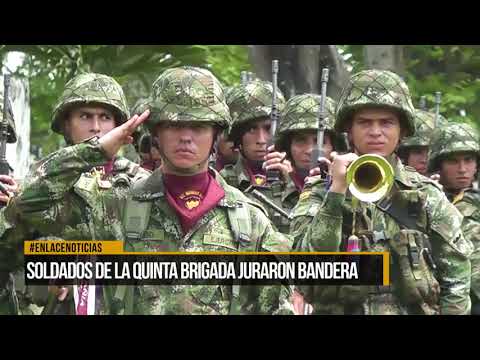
(150, 188)
(401, 174)
(229, 200)
(241, 171)
(153, 188)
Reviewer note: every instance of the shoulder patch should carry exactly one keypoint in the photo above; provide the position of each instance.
(305, 195)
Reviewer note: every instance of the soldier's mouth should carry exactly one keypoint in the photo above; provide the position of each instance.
(184, 151)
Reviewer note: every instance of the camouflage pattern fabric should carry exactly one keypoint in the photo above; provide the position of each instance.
(249, 102)
(323, 222)
(91, 88)
(281, 194)
(188, 94)
(425, 127)
(301, 113)
(468, 203)
(66, 205)
(450, 139)
(65, 170)
(378, 88)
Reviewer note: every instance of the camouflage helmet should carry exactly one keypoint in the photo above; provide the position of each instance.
(140, 106)
(424, 128)
(91, 88)
(228, 93)
(375, 88)
(450, 139)
(188, 94)
(301, 113)
(251, 101)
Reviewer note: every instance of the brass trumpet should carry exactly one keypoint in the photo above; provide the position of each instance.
(370, 178)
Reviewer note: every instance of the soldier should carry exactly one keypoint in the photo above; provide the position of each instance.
(90, 106)
(297, 136)
(225, 152)
(413, 150)
(144, 144)
(251, 106)
(414, 218)
(455, 155)
(183, 205)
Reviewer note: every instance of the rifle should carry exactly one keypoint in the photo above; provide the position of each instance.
(265, 200)
(7, 133)
(438, 100)
(243, 77)
(273, 175)
(318, 153)
(423, 103)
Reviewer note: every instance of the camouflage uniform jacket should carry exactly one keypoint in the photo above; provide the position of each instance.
(325, 220)
(163, 233)
(238, 177)
(53, 203)
(468, 203)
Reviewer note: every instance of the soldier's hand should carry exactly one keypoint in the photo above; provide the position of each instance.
(9, 188)
(338, 171)
(112, 141)
(275, 160)
(317, 170)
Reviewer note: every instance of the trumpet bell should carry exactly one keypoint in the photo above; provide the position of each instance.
(370, 178)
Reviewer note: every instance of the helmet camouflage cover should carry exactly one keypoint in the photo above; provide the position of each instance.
(188, 94)
(301, 113)
(424, 129)
(375, 88)
(87, 89)
(450, 139)
(251, 101)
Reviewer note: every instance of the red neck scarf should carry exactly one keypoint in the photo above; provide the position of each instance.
(258, 176)
(192, 196)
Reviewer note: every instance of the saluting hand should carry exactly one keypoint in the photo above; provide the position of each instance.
(112, 141)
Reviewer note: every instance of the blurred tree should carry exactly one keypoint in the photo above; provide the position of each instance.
(135, 67)
(451, 69)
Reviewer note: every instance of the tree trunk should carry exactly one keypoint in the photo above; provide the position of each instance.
(300, 67)
(385, 57)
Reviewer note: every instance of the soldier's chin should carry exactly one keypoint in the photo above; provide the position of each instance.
(185, 164)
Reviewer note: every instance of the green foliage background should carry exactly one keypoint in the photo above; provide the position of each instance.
(451, 69)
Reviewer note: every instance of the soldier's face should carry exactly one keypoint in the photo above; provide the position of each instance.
(302, 147)
(458, 171)
(418, 158)
(225, 148)
(185, 146)
(375, 131)
(87, 121)
(254, 141)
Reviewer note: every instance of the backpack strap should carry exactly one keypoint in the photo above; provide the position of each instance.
(135, 222)
(241, 226)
